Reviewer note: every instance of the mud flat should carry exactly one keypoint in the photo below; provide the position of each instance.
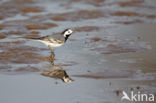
(112, 50)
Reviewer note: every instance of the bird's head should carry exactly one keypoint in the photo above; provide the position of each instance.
(66, 33)
(67, 79)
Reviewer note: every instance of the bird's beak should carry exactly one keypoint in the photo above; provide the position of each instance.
(73, 32)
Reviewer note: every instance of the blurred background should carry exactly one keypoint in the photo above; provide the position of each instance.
(112, 50)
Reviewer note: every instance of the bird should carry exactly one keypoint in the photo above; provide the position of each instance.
(54, 40)
(58, 74)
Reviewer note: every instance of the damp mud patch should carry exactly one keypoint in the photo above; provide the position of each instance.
(120, 74)
(78, 15)
(86, 28)
(14, 7)
(107, 75)
(117, 48)
(19, 54)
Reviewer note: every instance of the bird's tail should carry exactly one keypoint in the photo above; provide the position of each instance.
(28, 38)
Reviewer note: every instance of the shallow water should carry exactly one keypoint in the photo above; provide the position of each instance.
(112, 50)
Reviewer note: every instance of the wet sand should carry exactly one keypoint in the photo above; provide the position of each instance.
(112, 50)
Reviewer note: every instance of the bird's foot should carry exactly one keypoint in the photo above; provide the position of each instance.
(56, 66)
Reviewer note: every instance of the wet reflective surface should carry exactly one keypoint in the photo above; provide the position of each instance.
(113, 49)
(58, 73)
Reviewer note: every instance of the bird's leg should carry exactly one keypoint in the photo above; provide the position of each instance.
(49, 47)
(51, 56)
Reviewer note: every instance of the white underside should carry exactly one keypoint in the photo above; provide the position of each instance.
(50, 44)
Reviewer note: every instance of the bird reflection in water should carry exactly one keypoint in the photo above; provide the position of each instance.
(58, 72)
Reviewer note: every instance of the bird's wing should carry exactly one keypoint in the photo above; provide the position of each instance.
(53, 40)
(56, 39)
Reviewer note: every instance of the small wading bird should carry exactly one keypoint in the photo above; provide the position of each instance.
(54, 40)
(58, 74)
